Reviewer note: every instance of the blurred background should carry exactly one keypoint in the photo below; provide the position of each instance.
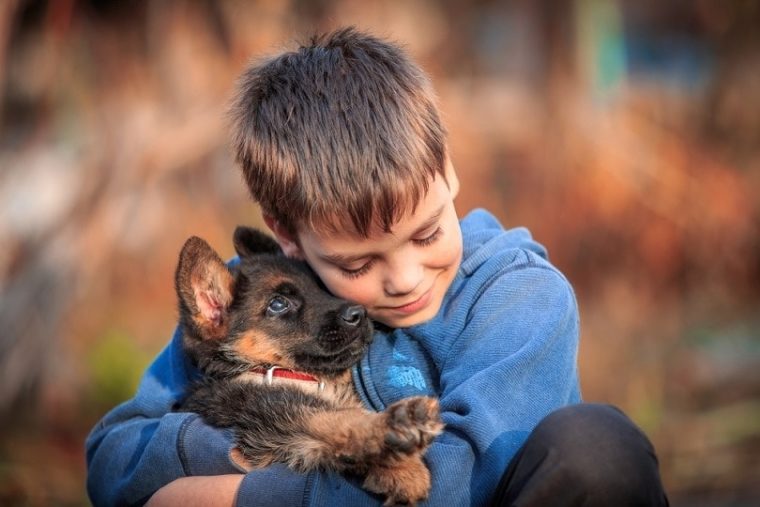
(624, 134)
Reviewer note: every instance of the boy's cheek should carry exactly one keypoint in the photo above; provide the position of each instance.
(451, 254)
(355, 291)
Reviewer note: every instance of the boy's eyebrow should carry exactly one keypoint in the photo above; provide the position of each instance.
(348, 259)
(430, 221)
(343, 259)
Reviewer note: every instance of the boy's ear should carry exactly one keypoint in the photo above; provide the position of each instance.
(204, 287)
(286, 240)
(249, 241)
(451, 178)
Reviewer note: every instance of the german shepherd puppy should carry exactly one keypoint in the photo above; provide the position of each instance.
(275, 350)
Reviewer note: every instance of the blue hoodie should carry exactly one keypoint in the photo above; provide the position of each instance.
(500, 355)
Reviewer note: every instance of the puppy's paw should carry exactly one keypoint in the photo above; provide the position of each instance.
(412, 424)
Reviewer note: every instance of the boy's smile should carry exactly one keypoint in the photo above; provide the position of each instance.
(401, 276)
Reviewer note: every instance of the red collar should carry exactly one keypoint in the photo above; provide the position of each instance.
(276, 371)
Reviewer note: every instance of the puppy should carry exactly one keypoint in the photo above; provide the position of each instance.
(275, 351)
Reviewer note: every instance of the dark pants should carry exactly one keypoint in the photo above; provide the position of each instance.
(583, 455)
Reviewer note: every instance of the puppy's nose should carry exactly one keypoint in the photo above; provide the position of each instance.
(352, 315)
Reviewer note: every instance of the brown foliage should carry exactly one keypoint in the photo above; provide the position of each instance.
(113, 150)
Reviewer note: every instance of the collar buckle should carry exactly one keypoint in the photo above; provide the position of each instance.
(269, 375)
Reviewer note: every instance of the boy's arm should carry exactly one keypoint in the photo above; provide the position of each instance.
(142, 445)
(513, 364)
(202, 491)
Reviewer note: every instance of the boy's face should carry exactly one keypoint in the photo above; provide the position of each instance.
(401, 277)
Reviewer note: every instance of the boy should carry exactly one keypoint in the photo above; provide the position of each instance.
(341, 144)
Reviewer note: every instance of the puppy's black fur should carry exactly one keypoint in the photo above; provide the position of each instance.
(271, 311)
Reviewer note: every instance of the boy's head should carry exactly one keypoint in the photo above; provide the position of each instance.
(341, 144)
(342, 133)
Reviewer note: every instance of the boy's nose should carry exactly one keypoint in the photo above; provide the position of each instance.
(403, 279)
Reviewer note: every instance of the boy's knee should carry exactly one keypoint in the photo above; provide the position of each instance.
(586, 454)
(592, 429)
(600, 451)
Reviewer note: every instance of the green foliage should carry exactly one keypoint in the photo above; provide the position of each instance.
(115, 366)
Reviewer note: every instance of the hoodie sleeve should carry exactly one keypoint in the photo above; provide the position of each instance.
(513, 364)
(142, 445)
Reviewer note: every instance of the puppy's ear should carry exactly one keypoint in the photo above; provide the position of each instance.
(205, 288)
(249, 241)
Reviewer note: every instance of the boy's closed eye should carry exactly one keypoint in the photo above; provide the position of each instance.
(430, 238)
(357, 272)
(363, 268)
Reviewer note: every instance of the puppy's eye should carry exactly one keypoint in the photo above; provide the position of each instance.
(277, 306)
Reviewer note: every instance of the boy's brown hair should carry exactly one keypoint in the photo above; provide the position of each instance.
(342, 133)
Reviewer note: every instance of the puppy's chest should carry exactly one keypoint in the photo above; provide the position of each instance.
(338, 392)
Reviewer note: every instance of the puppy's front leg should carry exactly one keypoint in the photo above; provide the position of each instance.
(385, 447)
(402, 479)
(349, 439)
(341, 440)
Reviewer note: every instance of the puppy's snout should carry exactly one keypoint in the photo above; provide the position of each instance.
(352, 315)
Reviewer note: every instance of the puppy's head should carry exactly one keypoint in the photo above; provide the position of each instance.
(267, 311)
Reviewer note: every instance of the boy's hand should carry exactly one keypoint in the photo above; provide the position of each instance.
(212, 491)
